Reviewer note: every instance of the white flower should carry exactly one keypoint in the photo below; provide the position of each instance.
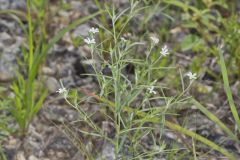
(155, 40)
(123, 39)
(62, 90)
(191, 75)
(164, 50)
(93, 30)
(89, 41)
(151, 90)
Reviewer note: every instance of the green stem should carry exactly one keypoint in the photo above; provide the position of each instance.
(30, 35)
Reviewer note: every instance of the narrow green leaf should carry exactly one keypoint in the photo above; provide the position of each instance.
(39, 103)
(214, 119)
(228, 89)
(195, 136)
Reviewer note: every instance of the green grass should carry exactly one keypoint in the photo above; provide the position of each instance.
(212, 117)
(228, 90)
(29, 91)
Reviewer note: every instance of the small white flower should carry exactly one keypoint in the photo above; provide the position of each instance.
(155, 40)
(151, 90)
(62, 90)
(93, 30)
(89, 41)
(164, 50)
(191, 75)
(123, 39)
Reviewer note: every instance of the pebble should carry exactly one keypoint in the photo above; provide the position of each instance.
(18, 4)
(32, 157)
(52, 84)
(78, 156)
(48, 71)
(12, 4)
(12, 143)
(5, 75)
(4, 4)
(60, 154)
(20, 156)
(8, 56)
(82, 30)
(107, 152)
(60, 114)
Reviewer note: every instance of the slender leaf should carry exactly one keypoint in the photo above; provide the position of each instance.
(228, 89)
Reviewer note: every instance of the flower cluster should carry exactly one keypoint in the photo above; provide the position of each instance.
(164, 51)
(91, 40)
(93, 30)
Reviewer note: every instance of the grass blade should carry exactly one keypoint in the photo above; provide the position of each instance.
(195, 136)
(228, 89)
(214, 119)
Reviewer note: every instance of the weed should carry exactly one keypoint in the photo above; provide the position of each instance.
(128, 101)
(28, 86)
(228, 90)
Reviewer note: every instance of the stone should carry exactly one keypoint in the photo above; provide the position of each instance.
(32, 157)
(18, 4)
(52, 84)
(4, 4)
(20, 156)
(48, 71)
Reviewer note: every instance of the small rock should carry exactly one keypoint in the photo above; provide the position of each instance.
(78, 156)
(48, 71)
(5, 38)
(5, 76)
(107, 152)
(52, 84)
(20, 156)
(4, 4)
(13, 143)
(61, 147)
(19, 4)
(60, 114)
(76, 4)
(60, 154)
(32, 157)
(82, 30)
(202, 88)
(9, 48)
